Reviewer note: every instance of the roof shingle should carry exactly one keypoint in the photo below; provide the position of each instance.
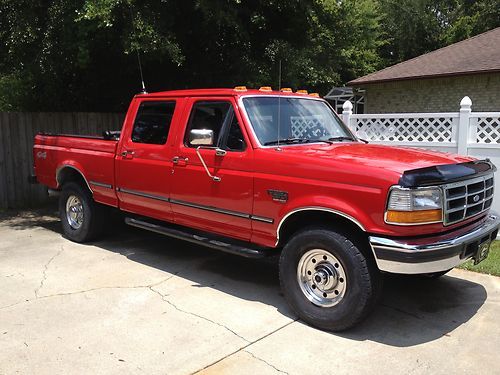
(479, 54)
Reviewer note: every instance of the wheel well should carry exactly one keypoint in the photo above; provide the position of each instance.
(71, 174)
(310, 218)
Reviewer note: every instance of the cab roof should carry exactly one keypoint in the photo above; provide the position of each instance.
(218, 92)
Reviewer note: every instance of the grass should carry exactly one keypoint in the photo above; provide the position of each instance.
(490, 265)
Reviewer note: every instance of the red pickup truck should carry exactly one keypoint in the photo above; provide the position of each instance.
(261, 172)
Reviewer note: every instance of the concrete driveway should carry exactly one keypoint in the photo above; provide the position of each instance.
(137, 302)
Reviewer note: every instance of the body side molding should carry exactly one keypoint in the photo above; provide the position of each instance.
(101, 184)
(223, 211)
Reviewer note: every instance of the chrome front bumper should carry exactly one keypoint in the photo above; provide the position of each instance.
(431, 254)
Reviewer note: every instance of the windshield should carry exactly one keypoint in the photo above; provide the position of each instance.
(300, 121)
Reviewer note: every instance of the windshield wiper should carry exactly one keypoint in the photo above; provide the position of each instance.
(287, 141)
(340, 139)
(322, 140)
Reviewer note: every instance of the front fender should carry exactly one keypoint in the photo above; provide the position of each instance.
(349, 210)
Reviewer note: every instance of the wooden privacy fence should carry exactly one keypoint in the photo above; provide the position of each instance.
(17, 131)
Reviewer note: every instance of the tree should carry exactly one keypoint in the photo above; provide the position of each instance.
(415, 27)
(472, 18)
(81, 55)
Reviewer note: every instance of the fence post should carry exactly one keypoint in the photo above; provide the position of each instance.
(463, 125)
(347, 113)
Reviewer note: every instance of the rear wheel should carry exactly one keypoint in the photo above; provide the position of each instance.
(327, 280)
(81, 217)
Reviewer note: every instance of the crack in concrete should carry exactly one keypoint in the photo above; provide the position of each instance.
(402, 311)
(45, 269)
(163, 297)
(246, 346)
(91, 290)
(14, 304)
(264, 361)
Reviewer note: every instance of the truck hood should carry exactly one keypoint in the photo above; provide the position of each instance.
(392, 158)
(350, 163)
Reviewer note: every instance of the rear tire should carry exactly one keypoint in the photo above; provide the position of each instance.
(327, 280)
(81, 217)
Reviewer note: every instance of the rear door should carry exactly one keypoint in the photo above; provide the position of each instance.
(224, 204)
(144, 158)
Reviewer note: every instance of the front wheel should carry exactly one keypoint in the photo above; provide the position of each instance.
(81, 217)
(327, 280)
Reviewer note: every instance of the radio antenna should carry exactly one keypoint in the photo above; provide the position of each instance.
(140, 71)
(279, 103)
(279, 75)
(137, 52)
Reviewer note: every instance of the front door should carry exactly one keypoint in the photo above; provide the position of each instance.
(217, 198)
(144, 160)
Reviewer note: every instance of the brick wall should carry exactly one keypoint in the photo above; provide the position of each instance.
(434, 94)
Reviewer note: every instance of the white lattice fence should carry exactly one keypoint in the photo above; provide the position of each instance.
(406, 128)
(314, 126)
(307, 126)
(485, 128)
(464, 132)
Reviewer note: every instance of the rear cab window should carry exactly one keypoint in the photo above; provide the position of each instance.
(152, 122)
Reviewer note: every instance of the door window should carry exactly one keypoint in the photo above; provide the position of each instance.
(152, 122)
(234, 140)
(219, 117)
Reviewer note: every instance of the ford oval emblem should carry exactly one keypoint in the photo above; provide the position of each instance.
(476, 198)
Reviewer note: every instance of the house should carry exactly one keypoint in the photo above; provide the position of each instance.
(438, 80)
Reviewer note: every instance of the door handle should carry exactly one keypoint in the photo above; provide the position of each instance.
(180, 161)
(127, 154)
(220, 152)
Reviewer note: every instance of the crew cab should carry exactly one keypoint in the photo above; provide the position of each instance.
(261, 172)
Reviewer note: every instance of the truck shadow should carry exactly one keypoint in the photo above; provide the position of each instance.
(411, 311)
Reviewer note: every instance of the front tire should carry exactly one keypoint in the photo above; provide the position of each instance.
(81, 216)
(327, 280)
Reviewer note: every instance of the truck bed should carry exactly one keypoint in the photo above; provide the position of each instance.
(92, 156)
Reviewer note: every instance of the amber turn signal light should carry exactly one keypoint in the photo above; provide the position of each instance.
(414, 217)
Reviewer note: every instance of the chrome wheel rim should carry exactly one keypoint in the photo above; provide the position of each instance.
(74, 212)
(321, 278)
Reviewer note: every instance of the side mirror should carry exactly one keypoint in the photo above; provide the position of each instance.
(201, 137)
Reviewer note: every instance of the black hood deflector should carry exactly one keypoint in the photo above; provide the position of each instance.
(443, 174)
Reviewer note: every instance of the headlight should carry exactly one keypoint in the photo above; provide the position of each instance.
(414, 206)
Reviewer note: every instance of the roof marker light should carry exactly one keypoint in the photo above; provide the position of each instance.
(286, 89)
(315, 94)
(302, 92)
(240, 88)
(266, 88)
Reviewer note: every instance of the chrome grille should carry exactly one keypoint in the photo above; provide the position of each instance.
(467, 198)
